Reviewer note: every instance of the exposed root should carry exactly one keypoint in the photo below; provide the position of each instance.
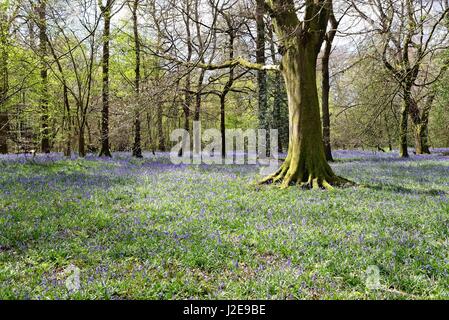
(286, 179)
(276, 177)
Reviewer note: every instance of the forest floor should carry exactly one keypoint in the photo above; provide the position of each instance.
(149, 229)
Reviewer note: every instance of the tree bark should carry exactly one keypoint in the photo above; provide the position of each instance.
(137, 148)
(4, 83)
(326, 87)
(3, 132)
(196, 116)
(223, 125)
(306, 163)
(421, 123)
(160, 131)
(403, 122)
(42, 24)
(260, 59)
(81, 143)
(105, 149)
(277, 101)
(227, 87)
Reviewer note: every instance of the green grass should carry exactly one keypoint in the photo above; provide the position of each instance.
(150, 230)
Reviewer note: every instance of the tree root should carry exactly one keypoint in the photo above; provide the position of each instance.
(285, 179)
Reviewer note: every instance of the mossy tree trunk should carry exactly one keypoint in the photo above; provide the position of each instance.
(306, 163)
(421, 122)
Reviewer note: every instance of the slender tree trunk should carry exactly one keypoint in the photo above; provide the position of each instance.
(227, 88)
(4, 132)
(325, 83)
(277, 103)
(199, 86)
(67, 118)
(42, 24)
(260, 59)
(403, 122)
(188, 81)
(196, 116)
(223, 124)
(4, 127)
(325, 103)
(81, 142)
(68, 122)
(160, 131)
(306, 163)
(387, 129)
(105, 148)
(137, 148)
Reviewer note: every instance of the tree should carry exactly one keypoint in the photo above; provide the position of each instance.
(137, 148)
(409, 32)
(300, 43)
(106, 12)
(278, 94)
(325, 85)
(5, 23)
(42, 25)
(262, 100)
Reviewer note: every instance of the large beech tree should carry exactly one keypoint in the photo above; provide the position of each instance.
(300, 43)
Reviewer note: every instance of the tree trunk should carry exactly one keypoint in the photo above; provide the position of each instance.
(421, 122)
(421, 141)
(105, 150)
(260, 59)
(387, 129)
(277, 103)
(196, 116)
(160, 131)
(188, 81)
(67, 118)
(306, 163)
(325, 102)
(3, 132)
(4, 32)
(223, 125)
(137, 148)
(42, 24)
(81, 143)
(69, 127)
(199, 87)
(325, 83)
(403, 122)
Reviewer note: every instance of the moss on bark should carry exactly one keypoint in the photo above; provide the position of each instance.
(306, 163)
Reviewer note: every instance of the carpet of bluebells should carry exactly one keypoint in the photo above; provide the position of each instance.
(148, 229)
